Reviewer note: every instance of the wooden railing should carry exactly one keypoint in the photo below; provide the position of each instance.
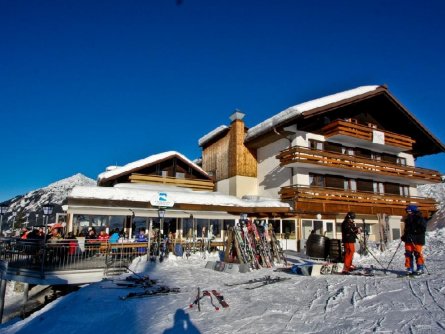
(298, 154)
(329, 200)
(352, 129)
(188, 183)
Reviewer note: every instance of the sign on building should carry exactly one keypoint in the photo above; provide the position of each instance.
(162, 199)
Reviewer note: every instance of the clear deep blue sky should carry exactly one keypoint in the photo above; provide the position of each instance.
(85, 84)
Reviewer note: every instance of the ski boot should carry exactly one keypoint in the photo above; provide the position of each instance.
(409, 271)
(420, 269)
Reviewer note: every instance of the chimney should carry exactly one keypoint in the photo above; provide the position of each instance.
(236, 144)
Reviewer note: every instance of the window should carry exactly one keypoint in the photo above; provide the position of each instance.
(275, 225)
(307, 228)
(404, 190)
(395, 233)
(379, 188)
(316, 180)
(215, 228)
(401, 161)
(331, 147)
(389, 158)
(315, 144)
(363, 153)
(365, 185)
(334, 182)
(289, 229)
(392, 188)
(228, 223)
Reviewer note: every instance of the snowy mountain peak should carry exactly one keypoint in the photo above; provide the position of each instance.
(28, 207)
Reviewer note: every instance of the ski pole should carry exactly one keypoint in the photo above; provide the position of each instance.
(126, 267)
(392, 258)
(367, 249)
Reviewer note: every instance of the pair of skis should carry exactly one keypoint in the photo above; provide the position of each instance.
(266, 280)
(210, 294)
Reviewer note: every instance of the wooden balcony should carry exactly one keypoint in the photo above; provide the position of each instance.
(195, 184)
(314, 200)
(369, 134)
(303, 155)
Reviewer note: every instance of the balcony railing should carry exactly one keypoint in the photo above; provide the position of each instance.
(304, 155)
(196, 184)
(367, 133)
(328, 200)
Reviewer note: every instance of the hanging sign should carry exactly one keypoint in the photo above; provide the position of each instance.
(161, 199)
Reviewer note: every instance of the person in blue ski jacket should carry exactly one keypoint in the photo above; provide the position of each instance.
(414, 239)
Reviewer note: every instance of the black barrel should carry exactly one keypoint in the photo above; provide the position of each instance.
(335, 251)
(317, 246)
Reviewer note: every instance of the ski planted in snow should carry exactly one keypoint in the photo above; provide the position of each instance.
(220, 298)
(199, 297)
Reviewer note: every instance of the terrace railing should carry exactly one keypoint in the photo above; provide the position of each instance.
(35, 257)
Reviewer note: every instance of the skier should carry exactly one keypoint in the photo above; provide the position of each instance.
(414, 239)
(349, 234)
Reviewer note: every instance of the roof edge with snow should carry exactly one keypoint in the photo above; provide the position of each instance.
(295, 111)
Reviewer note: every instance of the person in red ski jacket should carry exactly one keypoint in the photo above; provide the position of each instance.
(349, 234)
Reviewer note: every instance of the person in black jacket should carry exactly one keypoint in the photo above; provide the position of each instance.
(349, 235)
(414, 239)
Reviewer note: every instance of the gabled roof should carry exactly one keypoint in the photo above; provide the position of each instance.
(146, 162)
(402, 121)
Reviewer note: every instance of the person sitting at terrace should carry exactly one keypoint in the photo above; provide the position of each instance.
(54, 235)
(24, 233)
(114, 236)
(103, 236)
(141, 237)
(71, 244)
(91, 233)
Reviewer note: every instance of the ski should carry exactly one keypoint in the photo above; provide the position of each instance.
(220, 298)
(255, 280)
(352, 273)
(161, 291)
(207, 293)
(268, 282)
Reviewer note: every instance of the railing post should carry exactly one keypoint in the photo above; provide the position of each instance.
(42, 269)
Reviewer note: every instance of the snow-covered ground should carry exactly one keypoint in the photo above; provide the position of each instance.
(302, 304)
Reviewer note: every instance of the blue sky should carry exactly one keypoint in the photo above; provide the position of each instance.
(87, 84)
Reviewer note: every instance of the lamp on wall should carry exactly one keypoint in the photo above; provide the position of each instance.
(318, 216)
(47, 210)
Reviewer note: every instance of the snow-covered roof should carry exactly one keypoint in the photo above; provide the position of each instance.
(296, 110)
(204, 139)
(144, 162)
(146, 192)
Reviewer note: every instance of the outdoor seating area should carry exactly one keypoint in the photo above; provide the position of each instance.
(67, 254)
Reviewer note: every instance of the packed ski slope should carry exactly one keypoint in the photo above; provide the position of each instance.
(301, 304)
